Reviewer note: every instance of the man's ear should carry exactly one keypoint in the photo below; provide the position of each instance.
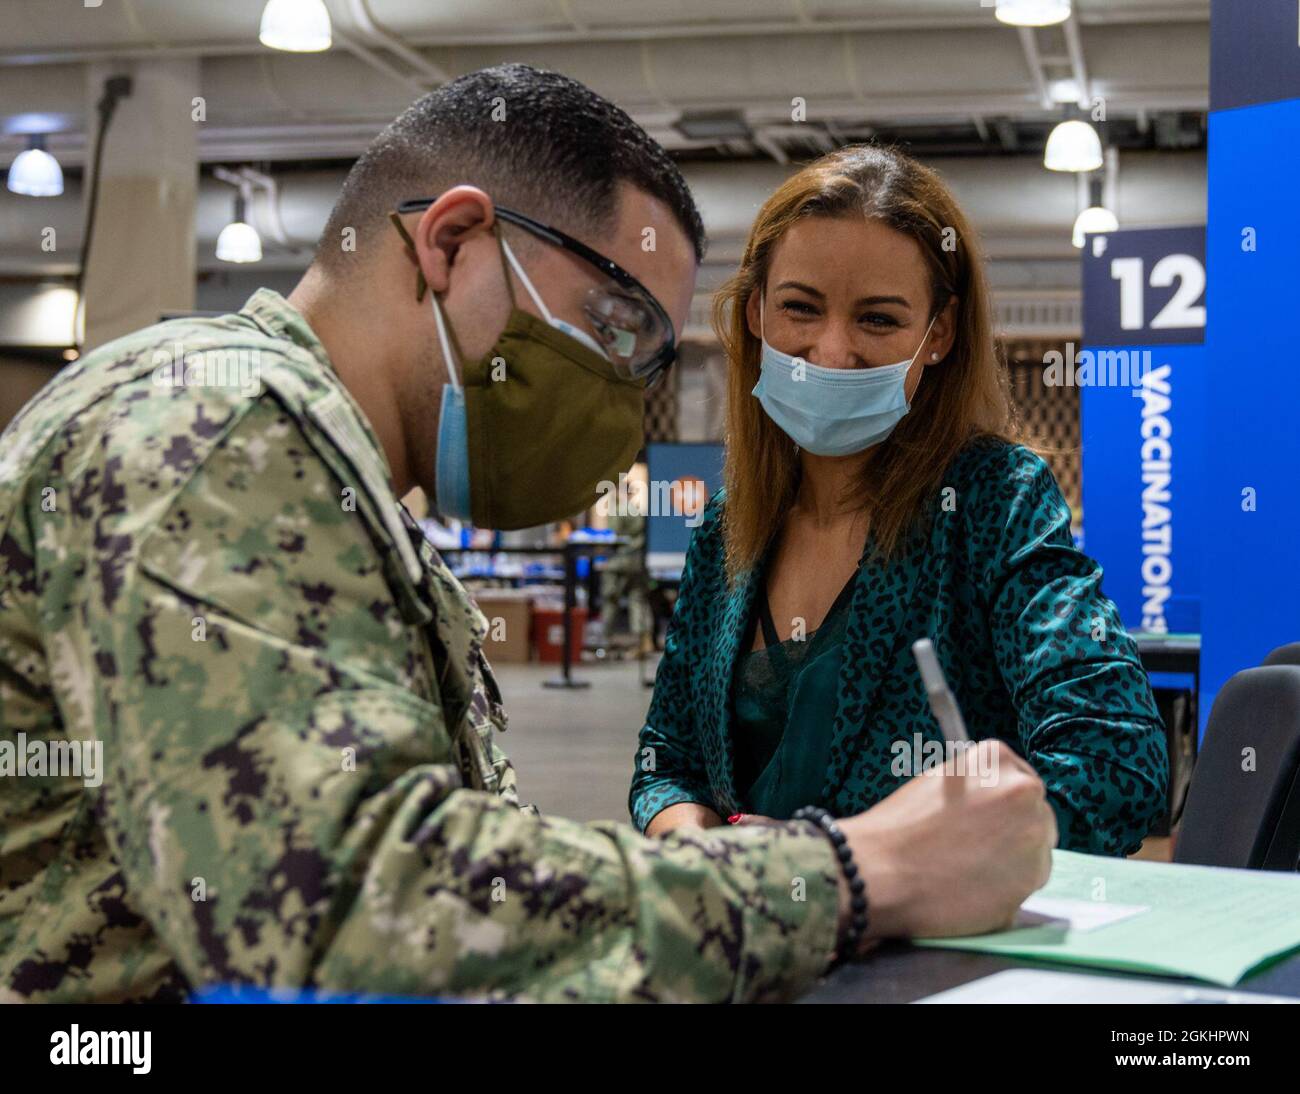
(457, 215)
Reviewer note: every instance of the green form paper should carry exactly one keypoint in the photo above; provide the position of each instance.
(1197, 921)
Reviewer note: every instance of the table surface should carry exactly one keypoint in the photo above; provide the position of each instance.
(899, 973)
(1149, 640)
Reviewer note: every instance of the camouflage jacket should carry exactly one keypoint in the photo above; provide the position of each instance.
(207, 579)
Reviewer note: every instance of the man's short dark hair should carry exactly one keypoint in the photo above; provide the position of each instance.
(535, 141)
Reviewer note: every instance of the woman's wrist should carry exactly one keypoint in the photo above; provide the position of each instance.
(682, 815)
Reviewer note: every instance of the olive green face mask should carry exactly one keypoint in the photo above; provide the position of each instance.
(543, 420)
(546, 427)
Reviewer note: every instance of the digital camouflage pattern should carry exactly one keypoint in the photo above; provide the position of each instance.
(301, 784)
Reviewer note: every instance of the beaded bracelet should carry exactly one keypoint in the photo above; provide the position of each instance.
(848, 946)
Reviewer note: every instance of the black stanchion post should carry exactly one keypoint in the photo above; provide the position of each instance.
(565, 679)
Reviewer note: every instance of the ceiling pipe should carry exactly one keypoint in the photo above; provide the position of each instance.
(334, 95)
(430, 75)
(1015, 205)
(370, 57)
(266, 212)
(1035, 62)
(1130, 14)
(771, 146)
(1079, 68)
(235, 179)
(566, 7)
(694, 30)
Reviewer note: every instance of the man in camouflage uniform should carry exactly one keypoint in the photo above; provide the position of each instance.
(207, 573)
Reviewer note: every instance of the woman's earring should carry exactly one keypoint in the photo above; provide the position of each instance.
(934, 357)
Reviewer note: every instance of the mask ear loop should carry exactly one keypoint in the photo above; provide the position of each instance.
(448, 357)
(421, 287)
(446, 337)
(924, 338)
(523, 277)
(420, 284)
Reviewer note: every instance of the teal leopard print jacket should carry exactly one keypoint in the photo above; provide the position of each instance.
(1033, 650)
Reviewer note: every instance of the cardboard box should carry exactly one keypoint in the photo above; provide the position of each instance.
(510, 618)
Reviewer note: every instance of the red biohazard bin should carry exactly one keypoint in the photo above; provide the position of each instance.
(548, 634)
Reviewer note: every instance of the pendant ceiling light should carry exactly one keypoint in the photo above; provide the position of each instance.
(34, 172)
(298, 26)
(239, 241)
(1073, 146)
(1032, 13)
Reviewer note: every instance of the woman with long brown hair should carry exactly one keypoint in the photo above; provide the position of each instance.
(875, 494)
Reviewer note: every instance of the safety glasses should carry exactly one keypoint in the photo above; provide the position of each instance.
(627, 320)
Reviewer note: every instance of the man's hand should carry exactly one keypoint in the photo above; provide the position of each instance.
(682, 815)
(945, 855)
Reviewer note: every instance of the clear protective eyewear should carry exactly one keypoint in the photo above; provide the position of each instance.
(626, 319)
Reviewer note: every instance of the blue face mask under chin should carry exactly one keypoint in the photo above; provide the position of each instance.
(832, 411)
(452, 467)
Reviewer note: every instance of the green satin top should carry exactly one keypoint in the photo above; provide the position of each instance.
(784, 699)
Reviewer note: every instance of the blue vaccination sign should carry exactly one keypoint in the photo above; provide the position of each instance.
(1142, 377)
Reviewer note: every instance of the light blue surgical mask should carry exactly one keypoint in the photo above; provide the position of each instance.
(451, 467)
(452, 483)
(832, 411)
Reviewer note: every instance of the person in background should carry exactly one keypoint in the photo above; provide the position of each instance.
(874, 495)
(623, 577)
(302, 781)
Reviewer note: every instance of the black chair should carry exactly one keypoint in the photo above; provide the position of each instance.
(1243, 808)
(1284, 655)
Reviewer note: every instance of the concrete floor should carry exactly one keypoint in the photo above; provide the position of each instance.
(574, 749)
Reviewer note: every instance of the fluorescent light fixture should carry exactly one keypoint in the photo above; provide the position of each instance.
(1093, 220)
(1073, 146)
(298, 26)
(36, 124)
(726, 125)
(1032, 13)
(35, 172)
